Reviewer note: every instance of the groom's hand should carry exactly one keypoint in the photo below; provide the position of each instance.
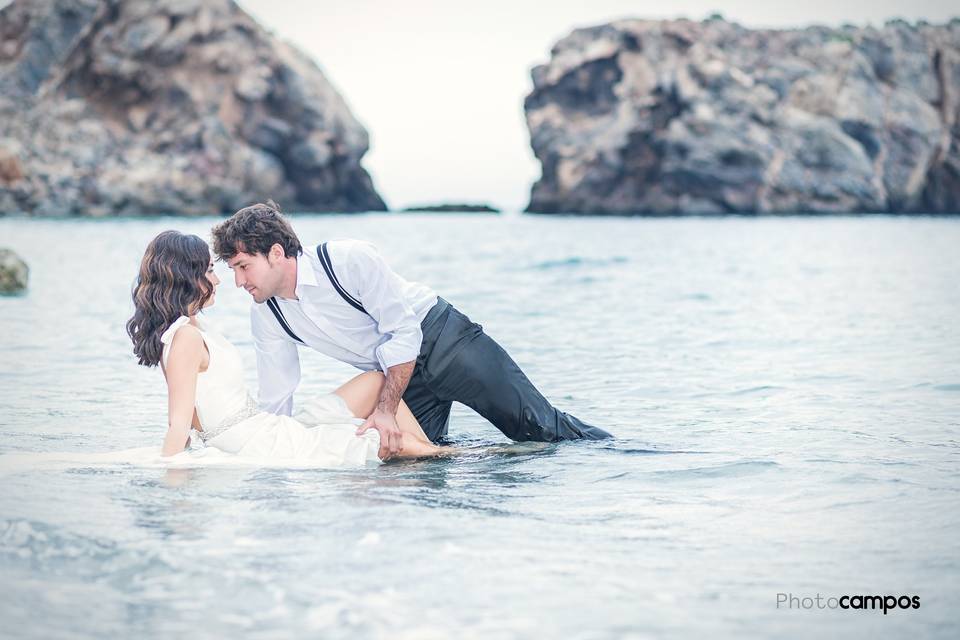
(391, 438)
(384, 417)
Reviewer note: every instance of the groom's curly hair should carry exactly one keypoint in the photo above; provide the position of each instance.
(254, 230)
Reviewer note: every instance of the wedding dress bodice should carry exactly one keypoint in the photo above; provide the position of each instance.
(222, 400)
(322, 434)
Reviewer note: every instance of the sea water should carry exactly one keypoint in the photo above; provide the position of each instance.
(785, 394)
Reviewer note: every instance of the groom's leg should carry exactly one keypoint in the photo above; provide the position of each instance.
(479, 373)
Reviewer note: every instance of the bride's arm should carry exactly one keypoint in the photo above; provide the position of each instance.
(183, 365)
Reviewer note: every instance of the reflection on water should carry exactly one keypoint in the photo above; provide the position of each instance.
(784, 395)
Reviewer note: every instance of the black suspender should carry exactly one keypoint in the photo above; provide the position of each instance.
(272, 303)
(324, 256)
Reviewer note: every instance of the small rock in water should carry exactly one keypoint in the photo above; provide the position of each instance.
(453, 207)
(13, 272)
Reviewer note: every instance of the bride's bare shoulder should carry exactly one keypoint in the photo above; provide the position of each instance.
(187, 348)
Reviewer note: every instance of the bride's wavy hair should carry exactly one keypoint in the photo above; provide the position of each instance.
(172, 283)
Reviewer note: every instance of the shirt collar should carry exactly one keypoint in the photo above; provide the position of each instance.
(306, 276)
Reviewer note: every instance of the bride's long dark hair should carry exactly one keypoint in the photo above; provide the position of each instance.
(172, 283)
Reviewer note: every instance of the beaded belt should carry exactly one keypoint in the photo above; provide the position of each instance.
(249, 410)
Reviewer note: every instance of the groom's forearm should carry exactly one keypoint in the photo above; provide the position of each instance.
(398, 377)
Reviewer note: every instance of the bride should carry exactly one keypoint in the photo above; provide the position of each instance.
(204, 374)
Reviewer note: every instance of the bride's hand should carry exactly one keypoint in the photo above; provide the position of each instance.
(391, 438)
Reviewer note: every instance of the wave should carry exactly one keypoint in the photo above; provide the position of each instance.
(201, 457)
(729, 470)
(142, 457)
(577, 261)
(947, 387)
(760, 389)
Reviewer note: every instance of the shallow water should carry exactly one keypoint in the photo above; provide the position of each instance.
(785, 395)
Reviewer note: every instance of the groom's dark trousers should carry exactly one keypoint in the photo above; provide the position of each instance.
(459, 362)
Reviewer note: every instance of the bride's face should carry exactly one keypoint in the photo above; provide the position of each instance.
(214, 282)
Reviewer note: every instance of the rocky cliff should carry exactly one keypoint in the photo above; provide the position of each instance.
(167, 106)
(668, 117)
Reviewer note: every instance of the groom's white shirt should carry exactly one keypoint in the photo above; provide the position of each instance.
(320, 317)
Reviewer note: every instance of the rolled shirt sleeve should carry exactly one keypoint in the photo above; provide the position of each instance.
(380, 291)
(278, 365)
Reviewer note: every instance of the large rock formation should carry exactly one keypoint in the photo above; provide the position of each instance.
(684, 117)
(167, 106)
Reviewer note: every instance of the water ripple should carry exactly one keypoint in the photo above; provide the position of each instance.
(782, 392)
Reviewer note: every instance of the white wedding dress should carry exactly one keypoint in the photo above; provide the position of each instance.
(323, 433)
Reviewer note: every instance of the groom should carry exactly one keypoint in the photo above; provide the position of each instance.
(342, 299)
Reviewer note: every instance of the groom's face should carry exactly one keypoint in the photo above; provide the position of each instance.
(256, 273)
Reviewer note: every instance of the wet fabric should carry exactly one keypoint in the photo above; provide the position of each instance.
(459, 362)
